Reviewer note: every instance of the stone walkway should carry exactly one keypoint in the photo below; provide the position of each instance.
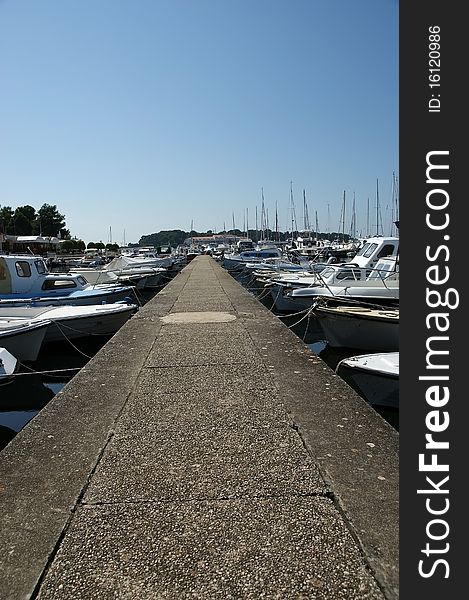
(204, 452)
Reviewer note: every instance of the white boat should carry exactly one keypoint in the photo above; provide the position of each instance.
(140, 277)
(144, 259)
(8, 365)
(275, 265)
(381, 285)
(71, 322)
(23, 339)
(359, 327)
(24, 278)
(359, 268)
(238, 261)
(374, 376)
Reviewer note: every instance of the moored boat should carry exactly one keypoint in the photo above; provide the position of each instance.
(71, 322)
(368, 260)
(238, 261)
(26, 278)
(374, 376)
(358, 327)
(23, 339)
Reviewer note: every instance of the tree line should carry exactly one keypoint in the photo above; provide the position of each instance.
(175, 237)
(25, 220)
(49, 222)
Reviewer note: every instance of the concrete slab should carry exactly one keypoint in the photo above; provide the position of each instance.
(179, 401)
(202, 344)
(225, 457)
(273, 548)
(238, 379)
(181, 318)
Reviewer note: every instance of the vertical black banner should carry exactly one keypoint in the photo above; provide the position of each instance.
(434, 367)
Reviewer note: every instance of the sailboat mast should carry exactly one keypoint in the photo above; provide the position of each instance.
(276, 223)
(257, 236)
(368, 218)
(305, 213)
(343, 219)
(377, 209)
(293, 216)
(263, 223)
(353, 223)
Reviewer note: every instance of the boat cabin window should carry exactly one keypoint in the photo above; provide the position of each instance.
(58, 284)
(40, 267)
(382, 270)
(386, 250)
(369, 251)
(81, 280)
(363, 249)
(23, 268)
(348, 274)
(267, 254)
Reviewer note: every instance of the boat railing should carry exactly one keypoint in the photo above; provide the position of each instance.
(331, 276)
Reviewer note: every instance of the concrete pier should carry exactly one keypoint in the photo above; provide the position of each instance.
(204, 452)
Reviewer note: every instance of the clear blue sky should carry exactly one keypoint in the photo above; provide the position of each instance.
(143, 115)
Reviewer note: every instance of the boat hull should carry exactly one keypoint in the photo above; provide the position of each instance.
(377, 387)
(75, 298)
(98, 323)
(359, 330)
(71, 322)
(25, 341)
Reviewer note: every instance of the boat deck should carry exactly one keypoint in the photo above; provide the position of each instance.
(204, 452)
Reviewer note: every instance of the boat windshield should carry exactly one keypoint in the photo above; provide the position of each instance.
(58, 284)
(40, 266)
(367, 250)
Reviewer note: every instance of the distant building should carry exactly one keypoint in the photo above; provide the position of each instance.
(27, 244)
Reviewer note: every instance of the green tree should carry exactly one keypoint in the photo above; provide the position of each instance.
(28, 213)
(50, 222)
(68, 245)
(22, 224)
(7, 225)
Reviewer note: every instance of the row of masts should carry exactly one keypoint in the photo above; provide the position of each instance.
(265, 229)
